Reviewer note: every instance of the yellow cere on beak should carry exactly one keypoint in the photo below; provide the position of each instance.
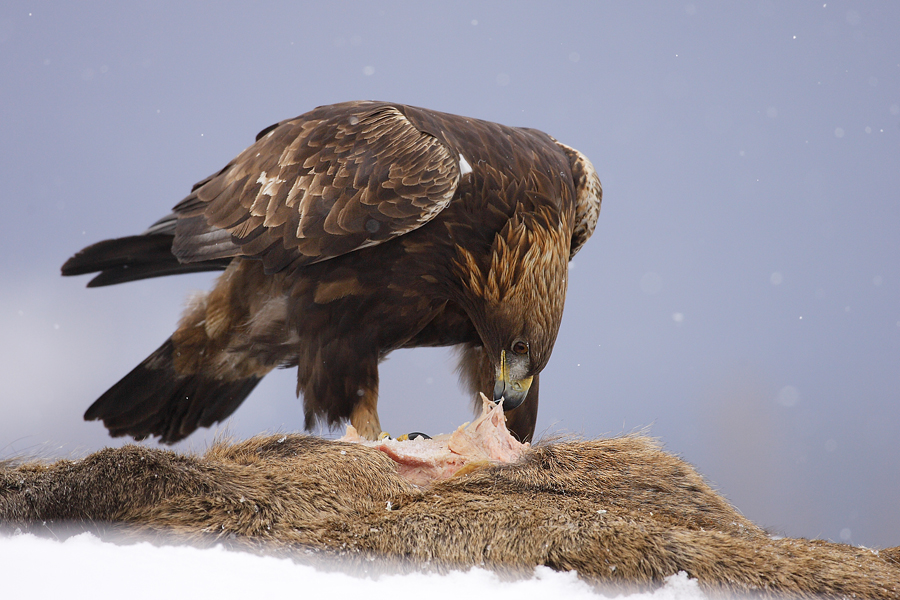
(511, 391)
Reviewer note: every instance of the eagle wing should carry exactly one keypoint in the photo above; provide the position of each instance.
(588, 197)
(334, 180)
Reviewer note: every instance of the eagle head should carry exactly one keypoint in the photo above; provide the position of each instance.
(516, 298)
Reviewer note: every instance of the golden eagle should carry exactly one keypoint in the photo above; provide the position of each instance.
(346, 233)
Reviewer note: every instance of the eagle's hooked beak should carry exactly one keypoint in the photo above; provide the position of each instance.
(511, 391)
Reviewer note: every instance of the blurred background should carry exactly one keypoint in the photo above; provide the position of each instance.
(740, 299)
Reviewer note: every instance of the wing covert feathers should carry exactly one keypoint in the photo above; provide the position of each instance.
(324, 184)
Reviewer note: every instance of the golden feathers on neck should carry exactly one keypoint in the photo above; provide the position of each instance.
(526, 274)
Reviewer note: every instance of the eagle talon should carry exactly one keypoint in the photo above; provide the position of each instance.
(413, 435)
(384, 435)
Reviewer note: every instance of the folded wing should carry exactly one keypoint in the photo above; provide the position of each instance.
(337, 179)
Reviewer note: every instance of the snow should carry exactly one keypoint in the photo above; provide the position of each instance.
(84, 566)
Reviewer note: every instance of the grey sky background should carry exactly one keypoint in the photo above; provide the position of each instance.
(740, 299)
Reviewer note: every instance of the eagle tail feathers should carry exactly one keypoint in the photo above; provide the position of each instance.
(154, 400)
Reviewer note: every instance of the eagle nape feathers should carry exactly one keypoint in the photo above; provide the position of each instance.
(347, 233)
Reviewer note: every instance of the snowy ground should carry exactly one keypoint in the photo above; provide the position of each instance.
(85, 566)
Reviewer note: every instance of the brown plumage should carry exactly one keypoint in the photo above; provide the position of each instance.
(346, 233)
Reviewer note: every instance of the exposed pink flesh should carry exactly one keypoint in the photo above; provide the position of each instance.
(422, 461)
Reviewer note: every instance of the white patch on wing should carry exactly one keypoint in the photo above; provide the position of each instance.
(270, 185)
(464, 167)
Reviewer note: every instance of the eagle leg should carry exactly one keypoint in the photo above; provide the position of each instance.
(364, 416)
(339, 380)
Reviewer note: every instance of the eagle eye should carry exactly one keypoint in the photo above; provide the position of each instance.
(520, 347)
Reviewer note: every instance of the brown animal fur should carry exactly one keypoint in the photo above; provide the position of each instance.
(621, 512)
